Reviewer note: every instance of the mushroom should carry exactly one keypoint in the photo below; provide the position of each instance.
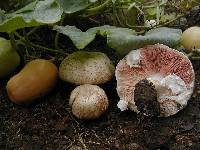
(155, 81)
(191, 38)
(86, 68)
(88, 101)
(37, 78)
(9, 58)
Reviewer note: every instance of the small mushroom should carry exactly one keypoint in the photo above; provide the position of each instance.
(86, 68)
(155, 81)
(191, 38)
(88, 101)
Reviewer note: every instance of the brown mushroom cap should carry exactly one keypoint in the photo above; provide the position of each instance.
(86, 68)
(170, 71)
(88, 101)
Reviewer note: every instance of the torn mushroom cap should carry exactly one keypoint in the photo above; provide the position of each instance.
(170, 71)
(86, 68)
(88, 101)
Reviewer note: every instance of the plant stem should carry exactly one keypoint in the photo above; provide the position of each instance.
(12, 40)
(57, 33)
(92, 11)
(196, 51)
(195, 58)
(166, 23)
(190, 55)
(141, 27)
(23, 40)
(15, 46)
(32, 31)
(47, 49)
(56, 40)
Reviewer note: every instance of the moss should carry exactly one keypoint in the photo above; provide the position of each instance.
(84, 56)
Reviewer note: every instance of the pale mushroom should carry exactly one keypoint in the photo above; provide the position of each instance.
(88, 101)
(86, 68)
(155, 80)
(191, 38)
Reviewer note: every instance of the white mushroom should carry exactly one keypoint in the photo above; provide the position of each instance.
(155, 80)
(191, 38)
(88, 101)
(86, 68)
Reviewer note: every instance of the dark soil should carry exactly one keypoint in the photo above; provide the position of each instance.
(145, 97)
(49, 123)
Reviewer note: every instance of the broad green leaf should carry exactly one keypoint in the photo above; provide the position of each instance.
(82, 39)
(34, 14)
(122, 40)
(72, 6)
(17, 22)
(79, 38)
(123, 43)
(48, 11)
(29, 7)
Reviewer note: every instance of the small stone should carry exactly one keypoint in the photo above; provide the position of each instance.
(75, 147)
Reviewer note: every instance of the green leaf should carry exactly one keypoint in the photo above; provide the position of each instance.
(17, 22)
(48, 11)
(34, 14)
(79, 38)
(122, 40)
(82, 39)
(29, 7)
(123, 43)
(72, 6)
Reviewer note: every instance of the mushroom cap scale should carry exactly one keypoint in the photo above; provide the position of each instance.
(169, 70)
(88, 101)
(86, 68)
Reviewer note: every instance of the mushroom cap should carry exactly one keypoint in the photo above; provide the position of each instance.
(9, 58)
(88, 101)
(86, 68)
(36, 79)
(170, 71)
(191, 38)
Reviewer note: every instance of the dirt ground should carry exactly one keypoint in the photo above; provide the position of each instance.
(49, 123)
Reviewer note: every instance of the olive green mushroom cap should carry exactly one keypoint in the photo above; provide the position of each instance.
(9, 58)
(88, 101)
(86, 68)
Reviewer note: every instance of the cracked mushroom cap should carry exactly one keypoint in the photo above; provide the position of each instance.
(155, 80)
(88, 101)
(86, 68)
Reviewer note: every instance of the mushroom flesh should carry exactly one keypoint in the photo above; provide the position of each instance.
(155, 80)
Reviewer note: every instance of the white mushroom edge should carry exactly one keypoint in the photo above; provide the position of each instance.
(180, 93)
